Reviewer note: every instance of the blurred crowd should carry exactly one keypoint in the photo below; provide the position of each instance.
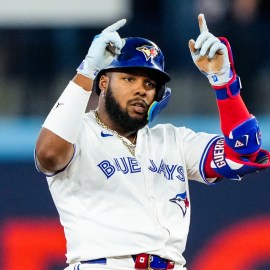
(36, 63)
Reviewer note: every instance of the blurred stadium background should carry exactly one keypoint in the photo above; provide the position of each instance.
(42, 43)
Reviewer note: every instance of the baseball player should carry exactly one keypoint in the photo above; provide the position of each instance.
(120, 187)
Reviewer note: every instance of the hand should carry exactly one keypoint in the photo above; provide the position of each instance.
(102, 50)
(210, 55)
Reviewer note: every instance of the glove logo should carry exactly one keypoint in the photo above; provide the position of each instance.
(215, 78)
(81, 66)
(182, 201)
(150, 52)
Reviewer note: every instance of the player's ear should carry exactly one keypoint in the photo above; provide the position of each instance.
(103, 82)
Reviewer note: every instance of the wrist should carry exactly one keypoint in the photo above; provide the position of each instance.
(88, 70)
(221, 78)
(231, 89)
(83, 81)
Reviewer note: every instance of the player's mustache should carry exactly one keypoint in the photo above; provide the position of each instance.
(140, 101)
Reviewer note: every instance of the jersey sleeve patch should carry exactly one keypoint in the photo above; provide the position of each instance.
(206, 152)
(236, 167)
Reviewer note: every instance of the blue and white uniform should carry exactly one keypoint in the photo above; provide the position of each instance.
(112, 204)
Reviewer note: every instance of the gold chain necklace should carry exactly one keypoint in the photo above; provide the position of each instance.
(130, 146)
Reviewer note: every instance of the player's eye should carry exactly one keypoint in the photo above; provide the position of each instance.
(129, 79)
(150, 84)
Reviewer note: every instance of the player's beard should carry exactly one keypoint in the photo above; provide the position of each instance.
(120, 116)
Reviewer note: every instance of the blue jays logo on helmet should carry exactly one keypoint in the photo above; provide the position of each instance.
(182, 201)
(150, 52)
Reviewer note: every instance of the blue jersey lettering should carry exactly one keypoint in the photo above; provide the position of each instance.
(107, 168)
(124, 167)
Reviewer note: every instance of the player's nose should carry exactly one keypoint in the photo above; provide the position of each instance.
(139, 88)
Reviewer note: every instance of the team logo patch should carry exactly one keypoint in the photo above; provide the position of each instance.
(150, 52)
(182, 201)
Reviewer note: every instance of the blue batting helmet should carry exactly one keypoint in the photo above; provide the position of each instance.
(139, 53)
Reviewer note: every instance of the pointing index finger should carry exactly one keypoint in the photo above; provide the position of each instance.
(202, 23)
(115, 26)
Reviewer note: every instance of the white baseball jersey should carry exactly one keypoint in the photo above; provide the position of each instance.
(114, 204)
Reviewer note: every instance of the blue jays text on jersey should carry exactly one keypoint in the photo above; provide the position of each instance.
(130, 165)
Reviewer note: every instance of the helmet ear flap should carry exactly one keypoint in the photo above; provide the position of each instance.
(157, 106)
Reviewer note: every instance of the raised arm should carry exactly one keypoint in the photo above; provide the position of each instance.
(55, 143)
(239, 153)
